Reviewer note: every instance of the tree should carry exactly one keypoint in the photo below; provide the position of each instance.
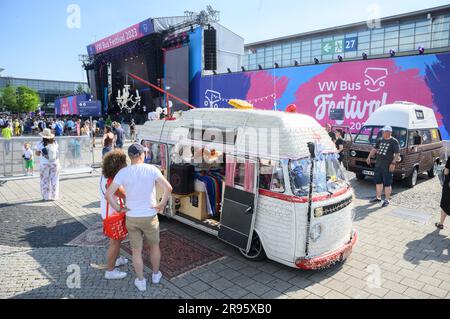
(27, 99)
(1, 99)
(80, 89)
(9, 97)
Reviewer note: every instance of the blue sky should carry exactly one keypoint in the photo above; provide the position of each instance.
(35, 41)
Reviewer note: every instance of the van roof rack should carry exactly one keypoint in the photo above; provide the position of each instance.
(405, 102)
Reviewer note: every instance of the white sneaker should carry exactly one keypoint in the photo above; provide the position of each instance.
(141, 285)
(115, 274)
(156, 278)
(121, 261)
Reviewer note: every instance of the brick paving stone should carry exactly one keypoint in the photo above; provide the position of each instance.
(285, 274)
(313, 296)
(242, 281)
(416, 294)
(393, 286)
(249, 271)
(435, 291)
(318, 290)
(301, 282)
(221, 284)
(412, 283)
(338, 286)
(210, 294)
(355, 293)
(335, 295)
(209, 276)
(395, 295)
(236, 264)
(408, 273)
(272, 294)
(263, 277)
(380, 292)
(298, 294)
(258, 288)
(230, 273)
(429, 280)
(356, 282)
(236, 292)
(279, 285)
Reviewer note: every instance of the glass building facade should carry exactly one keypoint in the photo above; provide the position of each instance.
(48, 90)
(404, 34)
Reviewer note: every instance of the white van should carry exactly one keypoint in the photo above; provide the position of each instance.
(416, 129)
(244, 176)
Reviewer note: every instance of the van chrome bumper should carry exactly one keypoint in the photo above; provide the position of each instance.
(328, 259)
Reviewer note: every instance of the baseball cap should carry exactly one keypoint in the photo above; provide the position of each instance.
(387, 129)
(135, 150)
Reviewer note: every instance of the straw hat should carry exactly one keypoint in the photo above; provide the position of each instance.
(47, 133)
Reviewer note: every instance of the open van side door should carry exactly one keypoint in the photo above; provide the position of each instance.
(240, 201)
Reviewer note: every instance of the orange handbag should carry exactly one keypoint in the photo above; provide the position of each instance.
(114, 225)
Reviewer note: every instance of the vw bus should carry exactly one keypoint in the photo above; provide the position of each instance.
(416, 129)
(268, 183)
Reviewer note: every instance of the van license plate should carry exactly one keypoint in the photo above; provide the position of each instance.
(368, 173)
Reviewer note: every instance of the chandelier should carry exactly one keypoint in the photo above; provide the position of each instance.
(127, 101)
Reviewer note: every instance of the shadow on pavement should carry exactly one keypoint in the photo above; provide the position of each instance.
(364, 211)
(365, 189)
(92, 205)
(429, 248)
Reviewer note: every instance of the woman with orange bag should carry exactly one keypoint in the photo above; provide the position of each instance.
(113, 162)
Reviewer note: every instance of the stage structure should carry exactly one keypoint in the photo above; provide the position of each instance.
(170, 53)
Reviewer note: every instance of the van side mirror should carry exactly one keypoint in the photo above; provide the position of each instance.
(417, 140)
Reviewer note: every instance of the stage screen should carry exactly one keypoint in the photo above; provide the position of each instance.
(177, 76)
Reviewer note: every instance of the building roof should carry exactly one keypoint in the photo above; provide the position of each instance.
(27, 79)
(352, 26)
(265, 134)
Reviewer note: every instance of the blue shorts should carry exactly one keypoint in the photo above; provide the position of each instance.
(383, 176)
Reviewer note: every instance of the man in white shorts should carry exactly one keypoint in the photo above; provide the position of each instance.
(139, 181)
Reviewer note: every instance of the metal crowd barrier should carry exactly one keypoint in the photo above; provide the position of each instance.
(75, 156)
(447, 149)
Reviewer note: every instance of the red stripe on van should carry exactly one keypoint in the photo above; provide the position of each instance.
(301, 200)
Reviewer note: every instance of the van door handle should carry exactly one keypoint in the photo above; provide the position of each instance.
(249, 210)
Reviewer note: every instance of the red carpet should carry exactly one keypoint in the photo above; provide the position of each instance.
(178, 254)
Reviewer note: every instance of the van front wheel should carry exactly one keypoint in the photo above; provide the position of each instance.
(433, 171)
(256, 252)
(411, 181)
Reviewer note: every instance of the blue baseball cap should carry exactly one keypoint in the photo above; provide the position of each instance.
(135, 150)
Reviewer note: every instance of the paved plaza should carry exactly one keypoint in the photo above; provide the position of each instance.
(399, 254)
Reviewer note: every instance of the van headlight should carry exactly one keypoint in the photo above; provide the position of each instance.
(353, 153)
(318, 212)
(315, 232)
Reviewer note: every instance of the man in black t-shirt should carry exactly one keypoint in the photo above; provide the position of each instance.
(388, 152)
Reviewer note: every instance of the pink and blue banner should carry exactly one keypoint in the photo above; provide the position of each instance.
(132, 33)
(69, 105)
(358, 87)
(78, 105)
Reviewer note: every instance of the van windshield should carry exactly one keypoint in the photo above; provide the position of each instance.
(328, 175)
(371, 134)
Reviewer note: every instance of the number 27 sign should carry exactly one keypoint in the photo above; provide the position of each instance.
(351, 44)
